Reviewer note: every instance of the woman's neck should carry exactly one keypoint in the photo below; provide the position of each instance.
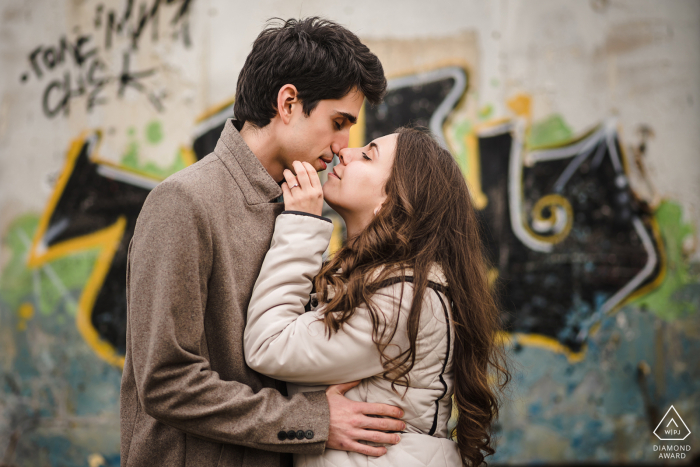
(355, 223)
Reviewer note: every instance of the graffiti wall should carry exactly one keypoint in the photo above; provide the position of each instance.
(585, 184)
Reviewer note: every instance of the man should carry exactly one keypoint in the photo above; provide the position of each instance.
(188, 398)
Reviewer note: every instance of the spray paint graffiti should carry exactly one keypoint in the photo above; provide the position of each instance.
(569, 239)
(94, 205)
(85, 70)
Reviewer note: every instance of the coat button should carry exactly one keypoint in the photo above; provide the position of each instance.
(282, 435)
(314, 302)
(300, 435)
(291, 434)
(309, 434)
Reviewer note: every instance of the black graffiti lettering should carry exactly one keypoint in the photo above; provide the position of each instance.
(131, 79)
(97, 84)
(50, 57)
(55, 56)
(143, 20)
(64, 100)
(182, 12)
(110, 29)
(98, 16)
(127, 15)
(154, 21)
(32, 59)
(80, 56)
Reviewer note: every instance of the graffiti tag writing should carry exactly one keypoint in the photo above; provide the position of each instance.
(75, 68)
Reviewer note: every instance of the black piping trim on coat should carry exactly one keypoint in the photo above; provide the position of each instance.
(308, 214)
(437, 288)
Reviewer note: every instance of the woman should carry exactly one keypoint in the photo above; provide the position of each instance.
(405, 306)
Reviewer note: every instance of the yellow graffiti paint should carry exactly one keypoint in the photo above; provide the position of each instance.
(473, 175)
(336, 237)
(107, 240)
(521, 105)
(551, 344)
(188, 155)
(211, 111)
(26, 313)
(552, 201)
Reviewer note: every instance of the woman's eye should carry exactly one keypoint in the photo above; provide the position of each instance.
(366, 156)
(338, 125)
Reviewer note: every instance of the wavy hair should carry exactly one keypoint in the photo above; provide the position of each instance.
(428, 217)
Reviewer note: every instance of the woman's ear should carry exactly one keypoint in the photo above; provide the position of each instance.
(287, 98)
(376, 210)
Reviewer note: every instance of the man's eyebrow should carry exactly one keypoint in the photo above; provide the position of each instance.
(374, 145)
(351, 118)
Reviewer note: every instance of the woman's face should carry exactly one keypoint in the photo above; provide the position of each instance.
(355, 186)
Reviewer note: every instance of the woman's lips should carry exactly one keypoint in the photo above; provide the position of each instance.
(332, 173)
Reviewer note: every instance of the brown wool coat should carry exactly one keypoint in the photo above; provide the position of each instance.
(187, 396)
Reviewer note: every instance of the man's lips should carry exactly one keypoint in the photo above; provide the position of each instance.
(325, 162)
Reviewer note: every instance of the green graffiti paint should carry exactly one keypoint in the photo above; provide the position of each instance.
(551, 131)
(154, 132)
(486, 112)
(679, 293)
(50, 283)
(131, 161)
(461, 152)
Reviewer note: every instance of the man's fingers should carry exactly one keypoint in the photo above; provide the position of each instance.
(381, 409)
(383, 424)
(378, 437)
(374, 451)
(302, 176)
(343, 388)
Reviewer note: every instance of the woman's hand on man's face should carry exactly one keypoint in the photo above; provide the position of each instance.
(304, 192)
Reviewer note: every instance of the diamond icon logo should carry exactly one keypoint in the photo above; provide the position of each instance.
(672, 427)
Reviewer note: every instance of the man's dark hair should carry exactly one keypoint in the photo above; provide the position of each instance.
(322, 59)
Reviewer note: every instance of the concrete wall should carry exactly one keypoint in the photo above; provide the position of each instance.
(576, 125)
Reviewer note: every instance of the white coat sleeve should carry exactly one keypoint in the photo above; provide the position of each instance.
(284, 342)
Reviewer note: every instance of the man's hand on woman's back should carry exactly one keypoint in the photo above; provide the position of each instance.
(353, 421)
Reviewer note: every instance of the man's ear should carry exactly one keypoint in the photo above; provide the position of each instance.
(287, 99)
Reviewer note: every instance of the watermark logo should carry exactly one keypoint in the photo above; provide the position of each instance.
(672, 427)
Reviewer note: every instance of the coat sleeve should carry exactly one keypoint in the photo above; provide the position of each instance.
(170, 262)
(284, 342)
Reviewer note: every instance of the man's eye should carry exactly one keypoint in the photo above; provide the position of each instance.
(366, 156)
(338, 125)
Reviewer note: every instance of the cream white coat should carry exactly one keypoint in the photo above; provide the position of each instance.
(285, 342)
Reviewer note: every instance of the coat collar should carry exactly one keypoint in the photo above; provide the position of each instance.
(254, 181)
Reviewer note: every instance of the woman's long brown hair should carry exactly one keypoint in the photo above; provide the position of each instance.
(427, 218)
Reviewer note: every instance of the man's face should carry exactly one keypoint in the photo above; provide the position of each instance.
(314, 139)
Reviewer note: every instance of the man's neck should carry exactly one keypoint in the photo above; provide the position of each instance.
(263, 145)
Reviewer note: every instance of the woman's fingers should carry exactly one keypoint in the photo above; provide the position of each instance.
(313, 175)
(291, 179)
(303, 196)
(302, 175)
(286, 194)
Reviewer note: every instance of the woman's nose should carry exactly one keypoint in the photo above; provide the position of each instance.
(346, 155)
